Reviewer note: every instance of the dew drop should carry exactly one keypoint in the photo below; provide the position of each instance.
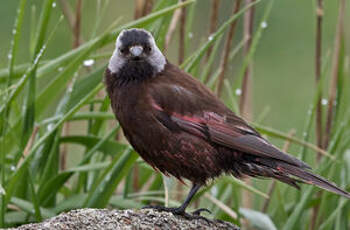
(50, 127)
(60, 69)
(13, 31)
(263, 24)
(238, 92)
(210, 37)
(37, 58)
(53, 4)
(2, 190)
(9, 56)
(89, 62)
(70, 89)
(190, 35)
(13, 168)
(214, 190)
(324, 101)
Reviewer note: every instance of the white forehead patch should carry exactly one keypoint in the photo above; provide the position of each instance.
(156, 58)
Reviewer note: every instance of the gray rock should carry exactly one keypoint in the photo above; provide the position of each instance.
(123, 219)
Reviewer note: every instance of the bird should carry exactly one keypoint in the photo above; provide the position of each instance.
(182, 129)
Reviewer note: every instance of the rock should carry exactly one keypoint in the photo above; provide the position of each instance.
(124, 219)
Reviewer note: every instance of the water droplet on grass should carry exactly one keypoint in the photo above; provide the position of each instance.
(89, 62)
(214, 190)
(50, 127)
(324, 101)
(263, 24)
(2, 190)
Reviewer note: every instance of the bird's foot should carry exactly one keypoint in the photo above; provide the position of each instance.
(180, 212)
(198, 211)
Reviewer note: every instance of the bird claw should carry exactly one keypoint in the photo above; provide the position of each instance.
(180, 212)
(198, 211)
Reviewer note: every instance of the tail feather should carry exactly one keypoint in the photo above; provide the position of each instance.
(311, 178)
(262, 171)
(286, 173)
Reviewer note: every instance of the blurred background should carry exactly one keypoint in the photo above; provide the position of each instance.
(281, 90)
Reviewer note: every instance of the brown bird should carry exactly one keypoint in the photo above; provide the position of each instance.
(181, 128)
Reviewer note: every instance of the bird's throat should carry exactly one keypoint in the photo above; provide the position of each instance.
(135, 71)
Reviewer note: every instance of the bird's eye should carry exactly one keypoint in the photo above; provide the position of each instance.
(148, 49)
(123, 50)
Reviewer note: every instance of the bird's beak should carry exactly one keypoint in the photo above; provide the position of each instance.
(136, 51)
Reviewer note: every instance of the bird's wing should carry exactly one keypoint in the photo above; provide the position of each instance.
(243, 138)
(181, 102)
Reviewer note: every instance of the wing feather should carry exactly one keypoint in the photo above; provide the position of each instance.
(226, 134)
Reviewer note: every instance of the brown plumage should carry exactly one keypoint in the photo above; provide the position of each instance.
(182, 129)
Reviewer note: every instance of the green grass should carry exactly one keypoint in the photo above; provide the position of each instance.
(40, 96)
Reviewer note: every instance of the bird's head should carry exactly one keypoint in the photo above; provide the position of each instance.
(136, 52)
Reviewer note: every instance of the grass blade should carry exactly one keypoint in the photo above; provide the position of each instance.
(29, 105)
(101, 192)
(108, 147)
(14, 44)
(240, 183)
(192, 61)
(37, 212)
(255, 41)
(28, 207)
(3, 121)
(274, 133)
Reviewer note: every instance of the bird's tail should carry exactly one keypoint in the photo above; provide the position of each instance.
(288, 174)
(311, 178)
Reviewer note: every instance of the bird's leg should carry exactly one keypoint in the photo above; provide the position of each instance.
(181, 210)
